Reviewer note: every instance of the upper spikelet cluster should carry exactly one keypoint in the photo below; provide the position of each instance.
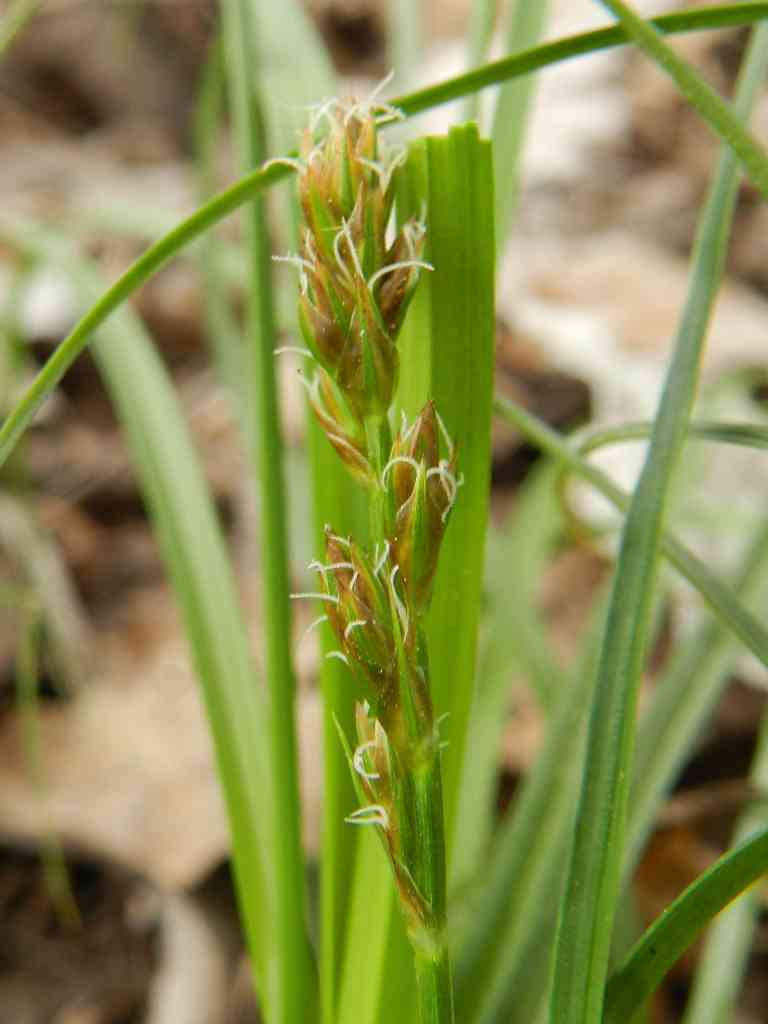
(355, 285)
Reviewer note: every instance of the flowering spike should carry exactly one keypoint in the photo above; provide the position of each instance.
(360, 613)
(422, 489)
(355, 288)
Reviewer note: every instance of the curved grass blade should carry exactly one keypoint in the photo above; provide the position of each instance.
(719, 597)
(592, 889)
(724, 958)
(572, 46)
(746, 435)
(673, 932)
(156, 256)
(160, 252)
(699, 93)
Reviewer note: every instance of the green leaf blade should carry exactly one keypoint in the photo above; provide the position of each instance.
(671, 934)
(461, 233)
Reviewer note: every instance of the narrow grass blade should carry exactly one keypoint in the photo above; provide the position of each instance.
(589, 903)
(160, 252)
(447, 354)
(699, 93)
(293, 996)
(673, 932)
(724, 959)
(526, 24)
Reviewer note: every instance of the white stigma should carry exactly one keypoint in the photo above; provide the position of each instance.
(374, 814)
(339, 656)
(358, 761)
(355, 624)
(399, 264)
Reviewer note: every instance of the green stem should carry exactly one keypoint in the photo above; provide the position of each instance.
(433, 981)
(422, 823)
(431, 958)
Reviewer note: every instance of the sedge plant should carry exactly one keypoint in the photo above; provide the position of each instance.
(535, 900)
(356, 286)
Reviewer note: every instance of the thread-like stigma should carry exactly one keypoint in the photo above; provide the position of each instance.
(340, 656)
(382, 271)
(374, 814)
(358, 761)
(382, 561)
(355, 624)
